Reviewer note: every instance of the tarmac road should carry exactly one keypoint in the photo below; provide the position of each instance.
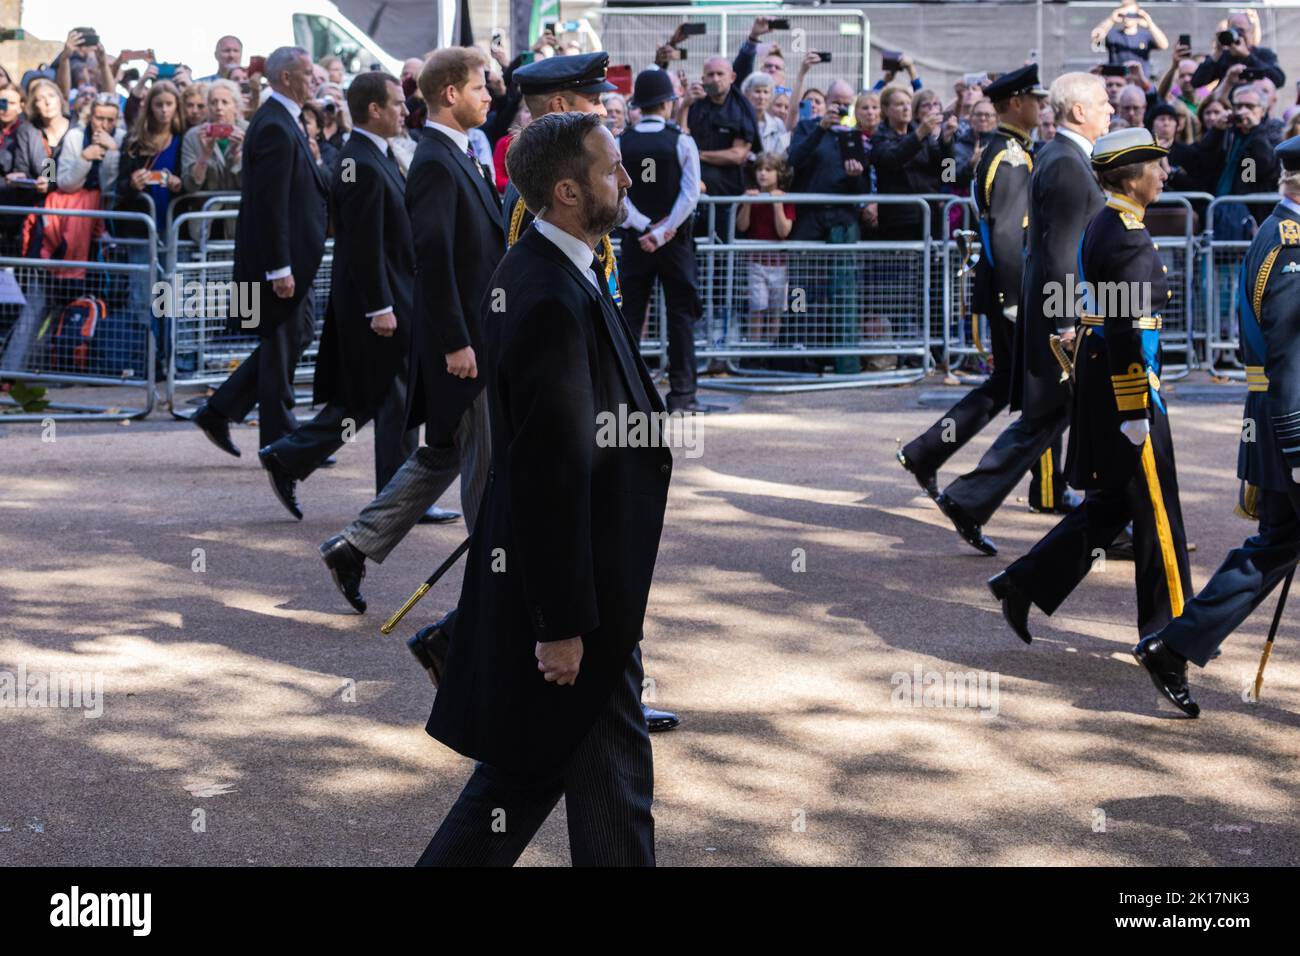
(248, 716)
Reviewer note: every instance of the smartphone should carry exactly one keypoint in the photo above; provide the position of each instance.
(156, 177)
(779, 24)
(527, 57)
(975, 79)
(496, 38)
(548, 27)
(694, 29)
(823, 55)
(146, 55)
(167, 70)
(681, 53)
(1111, 69)
(257, 64)
(889, 60)
(89, 36)
(1251, 75)
(1185, 39)
(851, 145)
(805, 109)
(25, 181)
(220, 130)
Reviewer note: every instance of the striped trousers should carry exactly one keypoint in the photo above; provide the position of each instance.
(607, 785)
(420, 482)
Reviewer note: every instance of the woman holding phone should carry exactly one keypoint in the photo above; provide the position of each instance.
(151, 160)
(211, 152)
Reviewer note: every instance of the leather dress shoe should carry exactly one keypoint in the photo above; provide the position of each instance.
(436, 515)
(282, 483)
(329, 462)
(658, 720)
(1168, 672)
(693, 407)
(430, 645)
(927, 481)
(347, 566)
(966, 526)
(1015, 604)
(216, 427)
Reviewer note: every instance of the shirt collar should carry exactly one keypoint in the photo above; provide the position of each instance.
(650, 124)
(1292, 205)
(1075, 138)
(456, 136)
(380, 143)
(1124, 204)
(294, 109)
(1016, 132)
(577, 251)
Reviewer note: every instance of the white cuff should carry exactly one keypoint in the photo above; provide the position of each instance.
(281, 273)
(371, 315)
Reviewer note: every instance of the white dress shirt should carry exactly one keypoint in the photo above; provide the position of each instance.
(456, 136)
(296, 112)
(381, 144)
(1075, 138)
(577, 251)
(688, 194)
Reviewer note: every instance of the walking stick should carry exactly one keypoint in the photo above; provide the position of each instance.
(423, 589)
(1272, 633)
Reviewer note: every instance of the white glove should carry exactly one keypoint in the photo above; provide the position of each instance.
(1295, 475)
(1136, 430)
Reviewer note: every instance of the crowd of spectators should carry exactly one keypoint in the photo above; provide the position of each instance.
(96, 131)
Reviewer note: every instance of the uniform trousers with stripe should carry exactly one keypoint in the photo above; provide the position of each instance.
(928, 452)
(1247, 576)
(607, 785)
(1054, 566)
(420, 482)
(1025, 443)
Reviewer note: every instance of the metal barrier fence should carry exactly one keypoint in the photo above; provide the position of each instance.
(1223, 253)
(844, 299)
(80, 321)
(780, 316)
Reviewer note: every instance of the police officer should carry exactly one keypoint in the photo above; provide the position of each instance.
(561, 84)
(1121, 451)
(656, 242)
(1268, 461)
(1001, 193)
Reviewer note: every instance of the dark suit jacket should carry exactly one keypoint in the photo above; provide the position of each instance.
(374, 268)
(1113, 366)
(576, 520)
(1001, 190)
(283, 212)
(817, 159)
(1063, 197)
(456, 222)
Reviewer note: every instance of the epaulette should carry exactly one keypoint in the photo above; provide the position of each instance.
(1131, 221)
(1288, 232)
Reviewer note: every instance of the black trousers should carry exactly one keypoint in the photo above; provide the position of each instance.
(265, 378)
(1247, 576)
(302, 451)
(928, 452)
(1056, 564)
(1024, 445)
(674, 266)
(607, 785)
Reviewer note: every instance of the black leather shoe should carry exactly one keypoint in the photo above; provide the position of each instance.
(217, 428)
(436, 515)
(347, 566)
(282, 483)
(1015, 604)
(692, 407)
(970, 532)
(1168, 672)
(430, 646)
(927, 481)
(329, 462)
(658, 720)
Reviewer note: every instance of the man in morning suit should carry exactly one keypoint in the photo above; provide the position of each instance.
(1001, 193)
(1121, 450)
(561, 84)
(362, 363)
(544, 677)
(1063, 197)
(1268, 461)
(279, 241)
(455, 216)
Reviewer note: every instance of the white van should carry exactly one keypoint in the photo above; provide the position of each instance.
(316, 25)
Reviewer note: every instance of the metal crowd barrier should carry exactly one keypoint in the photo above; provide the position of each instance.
(1224, 251)
(844, 301)
(46, 337)
(203, 352)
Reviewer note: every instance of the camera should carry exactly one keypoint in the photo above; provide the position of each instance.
(1228, 37)
(329, 107)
